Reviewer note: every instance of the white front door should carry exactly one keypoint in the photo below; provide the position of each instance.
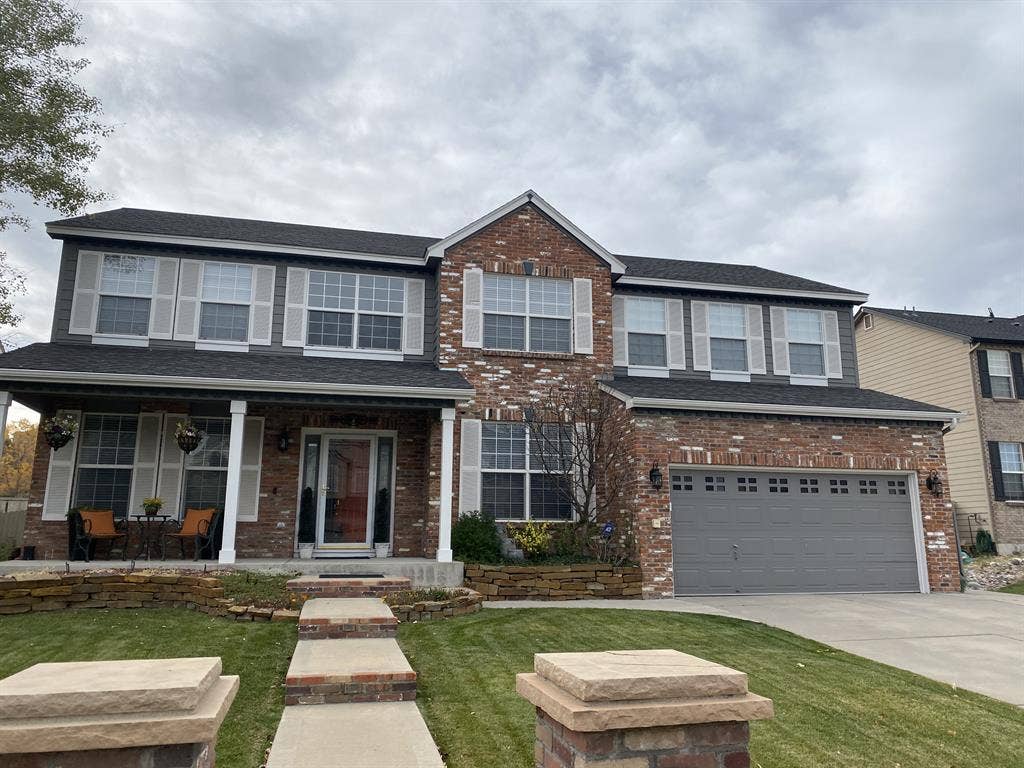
(345, 500)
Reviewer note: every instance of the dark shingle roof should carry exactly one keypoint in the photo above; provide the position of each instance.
(727, 274)
(768, 394)
(976, 327)
(142, 221)
(252, 366)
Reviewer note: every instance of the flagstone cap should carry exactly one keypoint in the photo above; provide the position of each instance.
(107, 687)
(638, 675)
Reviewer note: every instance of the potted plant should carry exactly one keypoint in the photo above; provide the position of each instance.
(188, 436)
(152, 506)
(58, 431)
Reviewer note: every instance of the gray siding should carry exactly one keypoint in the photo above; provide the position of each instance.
(69, 263)
(846, 340)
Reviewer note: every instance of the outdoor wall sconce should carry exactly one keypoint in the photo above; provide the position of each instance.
(934, 483)
(283, 441)
(656, 478)
(527, 268)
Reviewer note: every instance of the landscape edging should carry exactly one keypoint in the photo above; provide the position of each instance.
(579, 581)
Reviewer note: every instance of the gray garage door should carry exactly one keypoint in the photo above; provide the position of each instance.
(746, 532)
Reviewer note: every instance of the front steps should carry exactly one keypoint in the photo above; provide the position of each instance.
(339, 671)
(312, 586)
(340, 618)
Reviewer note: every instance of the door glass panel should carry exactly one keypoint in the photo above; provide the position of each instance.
(346, 495)
(382, 502)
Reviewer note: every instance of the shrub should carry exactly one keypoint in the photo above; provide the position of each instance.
(533, 538)
(983, 544)
(475, 539)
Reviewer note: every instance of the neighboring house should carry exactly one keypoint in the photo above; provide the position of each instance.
(972, 364)
(361, 387)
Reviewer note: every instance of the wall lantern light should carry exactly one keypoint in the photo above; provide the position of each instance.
(656, 477)
(283, 441)
(934, 483)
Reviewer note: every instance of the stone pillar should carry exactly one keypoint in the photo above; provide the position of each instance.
(444, 523)
(130, 714)
(234, 482)
(640, 709)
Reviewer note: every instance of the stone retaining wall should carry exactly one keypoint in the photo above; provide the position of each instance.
(582, 581)
(462, 602)
(32, 592)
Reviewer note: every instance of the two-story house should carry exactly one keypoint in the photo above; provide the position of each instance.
(359, 388)
(972, 364)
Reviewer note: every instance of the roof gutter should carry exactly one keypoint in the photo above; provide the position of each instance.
(59, 232)
(780, 409)
(657, 282)
(256, 385)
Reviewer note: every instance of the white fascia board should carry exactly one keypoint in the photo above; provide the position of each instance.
(529, 196)
(199, 382)
(779, 409)
(233, 245)
(657, 282)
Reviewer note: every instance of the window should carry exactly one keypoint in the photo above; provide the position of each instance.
(514, 483)
(778, 485)
(527, 313)
(1011, 458)
(806, 342)
(226, 294)
(355, 311)
(714, 484)
(727, 328)
(645, 329)
(682, 482)
(808, 485)
(999, 373)
(126, 289)
(206, 468)
(897, 487)
(868, 487)
(106, 456)
(747, 484)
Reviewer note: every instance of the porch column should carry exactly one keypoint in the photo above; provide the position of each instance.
(444, 527)
(5, 406)
(227, 548)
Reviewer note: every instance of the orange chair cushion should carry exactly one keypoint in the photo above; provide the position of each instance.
(99, 522)
(192, 525)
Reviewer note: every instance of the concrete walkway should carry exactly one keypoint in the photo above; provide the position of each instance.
(973, 641)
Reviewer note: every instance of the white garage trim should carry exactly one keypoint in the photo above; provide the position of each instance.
(913, 493)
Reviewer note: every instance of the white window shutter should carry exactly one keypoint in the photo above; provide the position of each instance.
(87, 293)
(252, 460)
(620, 341)
(171, 469)
(186, 315)
(701, 339)
(674, 336)
(261, 311)
(60, 477)
(780, 342)
(412, 332)
(147, 451)
(165, 289)
(755, 340)
(469, 466)
(295, 308)
(583, 315)
(833, 353)
(473, 308)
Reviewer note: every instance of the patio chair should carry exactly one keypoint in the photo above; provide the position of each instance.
(96, 525)
(198, 525)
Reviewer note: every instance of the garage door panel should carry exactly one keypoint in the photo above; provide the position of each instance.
(799, 532)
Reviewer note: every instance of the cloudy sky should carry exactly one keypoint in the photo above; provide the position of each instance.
(876, 146)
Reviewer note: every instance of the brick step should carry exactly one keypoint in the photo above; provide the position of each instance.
(357, 587)
(341, 671)
(335, 618)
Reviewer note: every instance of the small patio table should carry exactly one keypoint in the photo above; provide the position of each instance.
(151, 529)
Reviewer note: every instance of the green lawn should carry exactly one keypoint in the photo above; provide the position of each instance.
(831, 708)
(1015, 589)
(257, 652)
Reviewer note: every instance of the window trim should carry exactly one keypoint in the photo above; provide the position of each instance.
(224, 345)
(1008, 376)
(807, 379)
(528, 314)
(646, 370)
(725, 374)
(128, 339)
(1004, 472)
(527, 470)
(79, 465)
(323, 350)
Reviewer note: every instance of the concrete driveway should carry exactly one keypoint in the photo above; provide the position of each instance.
(973, 641)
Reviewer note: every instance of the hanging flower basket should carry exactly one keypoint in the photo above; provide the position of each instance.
(59, 431)
(188, 436)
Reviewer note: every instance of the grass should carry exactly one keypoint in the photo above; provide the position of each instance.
(256, 651)
(832, 709)
(1013, 589)
(264, 590)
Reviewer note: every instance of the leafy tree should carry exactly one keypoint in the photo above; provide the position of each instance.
(16, 462)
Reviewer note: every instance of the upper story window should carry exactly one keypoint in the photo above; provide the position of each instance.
(1000, 373)
(125, 294)
(515, 483)
(527, 313)
(727, 329)
(806, 342)
(348, 311)
(645, 332)
(225, 299)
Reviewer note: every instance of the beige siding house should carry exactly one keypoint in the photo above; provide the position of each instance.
(944, 359)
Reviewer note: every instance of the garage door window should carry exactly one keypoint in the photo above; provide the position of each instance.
(808, 485)
(838, 486)
(897, 487)
(682, 482)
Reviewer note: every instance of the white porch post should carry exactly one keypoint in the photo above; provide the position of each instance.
(5, 406)
(227, 548)
(444, 527)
